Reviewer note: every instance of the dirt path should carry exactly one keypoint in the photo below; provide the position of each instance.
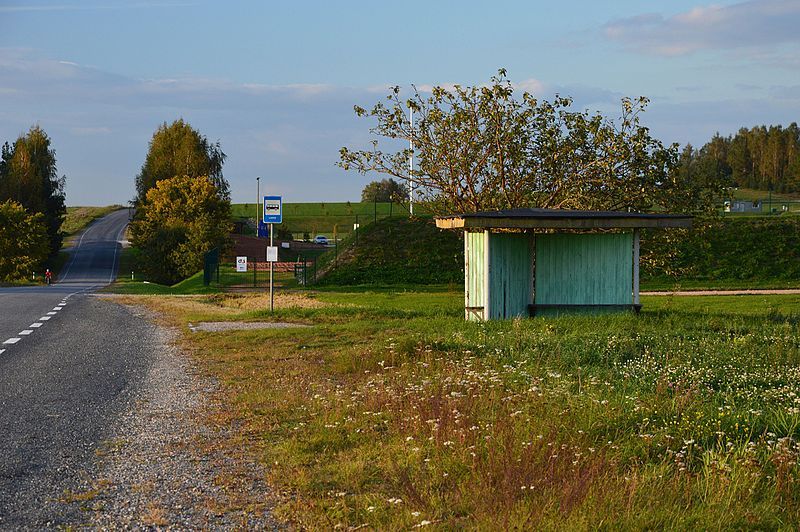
(778, 291)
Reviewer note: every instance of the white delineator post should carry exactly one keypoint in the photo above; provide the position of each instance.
(411, 162)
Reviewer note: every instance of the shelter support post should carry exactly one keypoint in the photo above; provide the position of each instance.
(636, 266)
(487, 269)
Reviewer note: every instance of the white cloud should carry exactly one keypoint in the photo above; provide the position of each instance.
(755, 23)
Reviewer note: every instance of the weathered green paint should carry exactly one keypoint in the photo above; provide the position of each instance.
(584, 269)
(474, 270)
(509, 274)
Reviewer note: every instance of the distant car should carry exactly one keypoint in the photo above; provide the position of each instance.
(319, 239)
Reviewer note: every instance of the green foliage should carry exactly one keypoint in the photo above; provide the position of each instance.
(28, 175)
(176, 150)
(78, 218)
(398, 250)
(384, 190)
(181, 219)
(764, 158)
(729, 248)
(23, 242)
(482, 148)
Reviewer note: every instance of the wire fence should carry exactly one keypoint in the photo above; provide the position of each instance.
(255, 272)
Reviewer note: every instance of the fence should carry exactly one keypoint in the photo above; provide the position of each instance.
(304, 221)
(761, 206)
(222, 272)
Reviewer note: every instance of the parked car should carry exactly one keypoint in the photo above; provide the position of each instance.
(319, 239)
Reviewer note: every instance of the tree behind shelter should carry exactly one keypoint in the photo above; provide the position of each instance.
(483, 148)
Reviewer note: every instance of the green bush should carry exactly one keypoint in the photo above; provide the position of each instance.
(730, 248)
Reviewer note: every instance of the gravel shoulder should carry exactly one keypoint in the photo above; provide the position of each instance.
(165, 465)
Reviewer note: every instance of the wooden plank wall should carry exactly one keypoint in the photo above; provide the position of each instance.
(474, 271)
(584, 269)
(509, 272)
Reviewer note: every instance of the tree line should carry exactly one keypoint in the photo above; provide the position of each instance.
(32, 205)
(761, 157)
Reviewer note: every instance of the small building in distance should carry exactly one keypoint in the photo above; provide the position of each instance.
(743, 206)
(526, 262)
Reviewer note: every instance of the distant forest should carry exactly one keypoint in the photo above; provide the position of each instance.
(762, 158)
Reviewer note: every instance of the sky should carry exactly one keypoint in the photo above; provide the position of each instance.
(275, 82)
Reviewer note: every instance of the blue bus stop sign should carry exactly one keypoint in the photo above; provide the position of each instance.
(273, 210)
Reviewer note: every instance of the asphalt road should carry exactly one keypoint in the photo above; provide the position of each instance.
(69, 365)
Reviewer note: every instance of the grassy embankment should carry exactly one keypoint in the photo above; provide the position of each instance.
(325, 218)
(78, 218)
(733, 253)
(390, 411)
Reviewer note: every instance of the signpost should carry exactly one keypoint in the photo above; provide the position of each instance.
(273, 214)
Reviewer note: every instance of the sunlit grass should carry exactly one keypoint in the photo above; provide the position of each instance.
(392, 412)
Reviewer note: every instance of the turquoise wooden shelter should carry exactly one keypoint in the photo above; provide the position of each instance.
(525, 262)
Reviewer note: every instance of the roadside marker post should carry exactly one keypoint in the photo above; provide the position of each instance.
(273, 214)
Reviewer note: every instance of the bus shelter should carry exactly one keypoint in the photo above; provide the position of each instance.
(526, 262)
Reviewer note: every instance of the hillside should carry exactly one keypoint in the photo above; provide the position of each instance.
(397, 251)
(325, 218)
(743, 251)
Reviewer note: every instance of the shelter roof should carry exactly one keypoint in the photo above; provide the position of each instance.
(560, 219)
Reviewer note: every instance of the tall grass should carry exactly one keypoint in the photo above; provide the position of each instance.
(392, 412)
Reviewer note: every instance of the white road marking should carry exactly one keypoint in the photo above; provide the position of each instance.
(12, 340)
(114, 264)
(44, 318)
(57, 308)
(52, 313)
(36, 325)
(2, 351)
(26, 332)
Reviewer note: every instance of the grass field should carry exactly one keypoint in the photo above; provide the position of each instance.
(79, 217)
(390, 411)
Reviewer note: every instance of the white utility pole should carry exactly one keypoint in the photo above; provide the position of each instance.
(411, 162)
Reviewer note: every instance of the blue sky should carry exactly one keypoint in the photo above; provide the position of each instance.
(275, 82)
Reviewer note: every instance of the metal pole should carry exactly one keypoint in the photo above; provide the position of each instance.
(635, 266)
(271, 289)
(411, 163)
(258, 200)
